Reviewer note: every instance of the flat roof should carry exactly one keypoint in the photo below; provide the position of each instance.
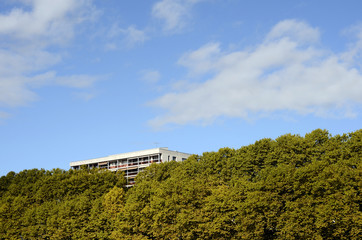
(124, 155)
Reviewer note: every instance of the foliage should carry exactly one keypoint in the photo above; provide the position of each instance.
(292, 187)
(56, 204)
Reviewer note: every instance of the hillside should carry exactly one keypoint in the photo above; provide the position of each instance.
(292, 187)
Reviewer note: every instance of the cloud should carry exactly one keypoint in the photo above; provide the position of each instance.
(14, 91)
(27, 32)
(151, 76)
(287, 72)
(77, 81)
(4, 115)
(175, 13)
(202, 60)
(85, 96)
(134, 35)
(131, 36)
(53, 20)
(17, 74)
(354, 55)
(295, 30)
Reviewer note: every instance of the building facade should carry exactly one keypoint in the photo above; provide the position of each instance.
(132, 162)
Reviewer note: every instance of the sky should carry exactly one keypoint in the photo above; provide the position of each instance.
(82, 79)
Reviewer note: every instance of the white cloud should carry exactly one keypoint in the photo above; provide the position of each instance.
(175, 13)
(355, 49)
(14, 91)
(16, 74)
(77, 81)
(26, 35)
(25, 60)
(4, 115)
(134, 35)
(53, 20)
(286, 72)
(85, 96)
(131, 36)
(110, 46)
(151, 76)
(202, 60)
(296, 30)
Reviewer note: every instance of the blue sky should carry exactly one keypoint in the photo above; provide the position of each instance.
(81, 79)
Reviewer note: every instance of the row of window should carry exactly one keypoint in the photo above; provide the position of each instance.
(129, 162)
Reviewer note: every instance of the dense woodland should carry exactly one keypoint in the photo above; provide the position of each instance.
(292, 187)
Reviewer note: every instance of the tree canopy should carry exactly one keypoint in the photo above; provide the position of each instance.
(292, 187)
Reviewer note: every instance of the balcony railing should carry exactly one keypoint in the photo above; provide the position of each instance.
(122, 164)
(132, 174)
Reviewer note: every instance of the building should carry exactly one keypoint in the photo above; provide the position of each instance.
(132, 162)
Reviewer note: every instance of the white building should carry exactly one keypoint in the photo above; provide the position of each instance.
(132, 162)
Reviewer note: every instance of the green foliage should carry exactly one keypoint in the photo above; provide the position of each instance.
(292, 187)
(56, 204)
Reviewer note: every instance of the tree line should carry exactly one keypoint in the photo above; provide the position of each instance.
(292, 187)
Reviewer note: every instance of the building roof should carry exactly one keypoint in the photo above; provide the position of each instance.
(124, 155)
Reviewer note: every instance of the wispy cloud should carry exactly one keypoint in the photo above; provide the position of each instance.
(289, 71)
(27, 33)
(202, 60)
(150, 76)
(174, 13)
(354, 54)
(4, 115)
(134, 35)
(52, 21)
(85, 96)
(295, 30)
(77, 81)
(130, 37)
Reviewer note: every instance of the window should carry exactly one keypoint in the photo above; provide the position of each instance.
(173, 158)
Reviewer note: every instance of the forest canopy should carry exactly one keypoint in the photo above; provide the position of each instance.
(292, 187)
